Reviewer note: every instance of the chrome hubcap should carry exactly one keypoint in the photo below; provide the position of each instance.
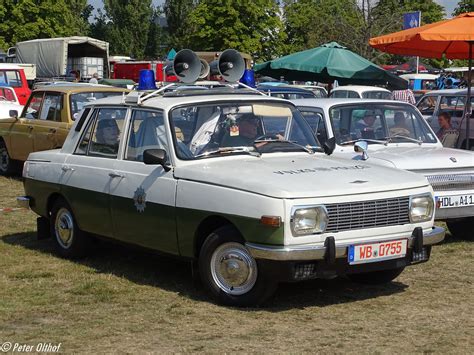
(233, 269)
(64, 228)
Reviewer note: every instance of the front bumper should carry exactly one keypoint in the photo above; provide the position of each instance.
(303, 262)
(331, 250)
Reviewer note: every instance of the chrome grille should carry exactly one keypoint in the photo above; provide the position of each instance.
(451, 182)
(368, 214)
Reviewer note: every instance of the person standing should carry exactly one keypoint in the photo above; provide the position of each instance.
(94, 79)
(404, 95)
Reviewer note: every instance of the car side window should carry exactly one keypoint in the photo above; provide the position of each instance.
(102, 137)
(147, 131)
(454, 105)
(34, 106)
(13, 78)
(51, 109)
(427, 105)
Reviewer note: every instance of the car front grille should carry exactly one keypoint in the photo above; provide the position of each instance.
(368, 214)
(451, 182)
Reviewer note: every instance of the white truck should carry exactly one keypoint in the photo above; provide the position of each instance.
(60, 57)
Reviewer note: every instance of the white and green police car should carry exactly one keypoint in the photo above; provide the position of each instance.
(234, 182)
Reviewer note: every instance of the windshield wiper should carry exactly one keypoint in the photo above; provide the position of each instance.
(306, 149)
(227, 150)
(389, 139)
(377, 141)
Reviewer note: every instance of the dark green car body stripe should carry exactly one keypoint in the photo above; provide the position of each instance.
(158, 227)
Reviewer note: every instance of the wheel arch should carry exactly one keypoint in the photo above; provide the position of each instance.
(206, 227)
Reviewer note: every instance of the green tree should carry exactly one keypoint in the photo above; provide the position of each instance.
(128, 25)
(157, 38)
(22, 20)
(463, 6)
(253, 27)
(176, 13)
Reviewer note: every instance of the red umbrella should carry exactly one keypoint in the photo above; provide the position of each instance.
(453, 38)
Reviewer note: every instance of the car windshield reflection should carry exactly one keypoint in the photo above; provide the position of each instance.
(209, 130)
(379, 123)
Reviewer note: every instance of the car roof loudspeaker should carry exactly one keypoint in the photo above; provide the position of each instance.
(230, 65)
(186, 66)
(204, 69)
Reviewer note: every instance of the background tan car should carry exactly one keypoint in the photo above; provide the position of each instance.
(45, 121)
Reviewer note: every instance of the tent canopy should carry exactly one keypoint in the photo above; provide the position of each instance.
(327, 63)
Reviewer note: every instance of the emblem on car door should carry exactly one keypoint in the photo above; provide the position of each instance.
(139, 198)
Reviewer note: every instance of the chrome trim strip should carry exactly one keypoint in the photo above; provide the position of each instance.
(317, 251)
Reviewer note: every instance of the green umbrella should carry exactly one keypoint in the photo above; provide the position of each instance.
(327, 63)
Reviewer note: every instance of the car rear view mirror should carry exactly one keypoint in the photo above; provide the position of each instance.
(329, 145)
(13, 113)
(155, 157)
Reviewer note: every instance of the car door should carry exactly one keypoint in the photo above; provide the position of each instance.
(22, 133)
(48, 123)
(143, 196)
(315, 119)
(89, 173)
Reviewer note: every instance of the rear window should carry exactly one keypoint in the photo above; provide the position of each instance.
(79, 100)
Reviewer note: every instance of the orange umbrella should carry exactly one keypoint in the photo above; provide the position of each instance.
(453, 38)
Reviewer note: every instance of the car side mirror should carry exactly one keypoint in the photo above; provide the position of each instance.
(13, 113)
(329, 146)
(155, 157)
(361, 147)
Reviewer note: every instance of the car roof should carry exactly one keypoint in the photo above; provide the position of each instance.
(448, 91)
(185, 97)
(360, 88)
(82, 88)
(327, 103)
(284, 89)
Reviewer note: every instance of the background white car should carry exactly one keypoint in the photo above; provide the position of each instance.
(8, 101)
(412, 147)
(361, 92)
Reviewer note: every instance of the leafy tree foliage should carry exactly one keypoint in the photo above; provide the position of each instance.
(464, 6)
(22, 20)
(250, 26)
(176, 13)
(155, 47)
(126, 25)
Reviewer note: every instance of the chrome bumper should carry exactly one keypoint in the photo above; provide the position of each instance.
(319, 251)
(23, 201)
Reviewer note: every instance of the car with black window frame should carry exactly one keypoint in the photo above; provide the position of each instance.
(236, 183)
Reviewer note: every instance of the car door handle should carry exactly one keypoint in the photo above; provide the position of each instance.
(114, 174)
(30, 127)
(66, 168)
(52, 130)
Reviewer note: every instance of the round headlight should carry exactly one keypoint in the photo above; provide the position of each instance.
(421, 208)
(308, 220)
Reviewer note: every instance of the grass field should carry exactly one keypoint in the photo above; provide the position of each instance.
(125, 300)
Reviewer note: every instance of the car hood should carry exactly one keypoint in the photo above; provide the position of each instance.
(415, 158)
(298, 176)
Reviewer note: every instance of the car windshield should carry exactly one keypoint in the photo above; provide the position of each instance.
(207, 130)
(376, 122)
(79, 100)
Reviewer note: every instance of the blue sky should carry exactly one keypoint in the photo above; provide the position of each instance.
(449, 5)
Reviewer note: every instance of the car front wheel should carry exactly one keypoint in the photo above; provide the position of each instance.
(69, 240)
(7, 165)
(230, 273)
(376, 277)
(462, 229)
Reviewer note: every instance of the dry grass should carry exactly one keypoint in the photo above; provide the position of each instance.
(125, 300)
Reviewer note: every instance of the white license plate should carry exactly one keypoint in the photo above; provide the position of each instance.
(454, 201)
(368, 253)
